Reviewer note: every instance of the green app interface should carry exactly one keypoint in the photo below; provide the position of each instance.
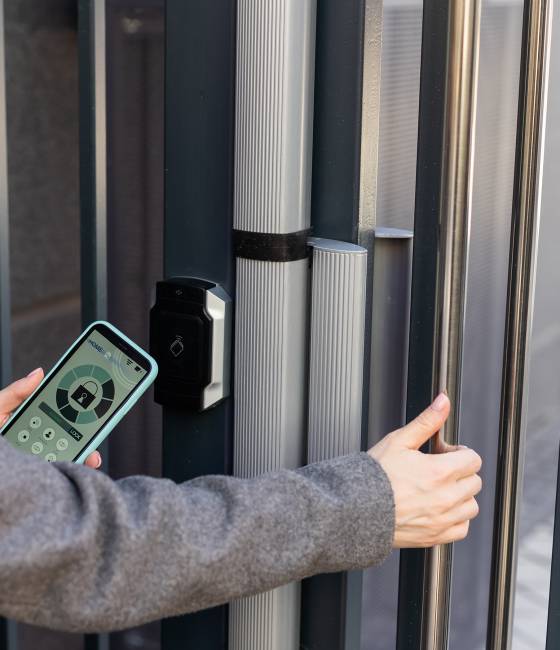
(78, 399)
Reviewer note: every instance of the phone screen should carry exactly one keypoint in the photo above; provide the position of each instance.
(89, 385)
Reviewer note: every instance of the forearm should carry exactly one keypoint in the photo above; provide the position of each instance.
(81, 552)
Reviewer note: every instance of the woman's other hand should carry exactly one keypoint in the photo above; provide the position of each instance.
(434, 493)
(14, 394)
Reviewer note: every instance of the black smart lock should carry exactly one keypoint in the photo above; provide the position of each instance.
(190, 338)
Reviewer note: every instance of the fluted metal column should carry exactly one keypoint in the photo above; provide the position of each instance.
(445, 155)
(338, 298)
(533, 78)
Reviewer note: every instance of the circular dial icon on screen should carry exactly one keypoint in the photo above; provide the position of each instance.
(85, 394)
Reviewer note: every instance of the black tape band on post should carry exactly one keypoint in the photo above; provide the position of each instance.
(269, 247)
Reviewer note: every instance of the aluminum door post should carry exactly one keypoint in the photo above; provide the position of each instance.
(273, 147)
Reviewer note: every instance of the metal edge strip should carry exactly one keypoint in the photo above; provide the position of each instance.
(531, 123)
(93, 185)
(8, 629)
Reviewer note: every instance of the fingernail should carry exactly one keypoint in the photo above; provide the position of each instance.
(34, 372)
(440, 402)
(463, 447)
(99, 461)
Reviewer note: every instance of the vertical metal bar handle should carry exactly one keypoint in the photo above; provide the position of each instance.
(442, 227)
(455, 210)
(535, 51)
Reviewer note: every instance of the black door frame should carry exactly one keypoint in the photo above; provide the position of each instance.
(199, 141)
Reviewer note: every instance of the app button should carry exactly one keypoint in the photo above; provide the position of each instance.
(37, 447)
(85, 396)
(48, 434)
(177, 347)
(35, 422)
(50, 458)
(23, 436)
(62, 444)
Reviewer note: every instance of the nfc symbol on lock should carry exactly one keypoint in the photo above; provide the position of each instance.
(83, 395)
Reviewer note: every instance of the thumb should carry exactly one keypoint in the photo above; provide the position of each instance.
(423, 427)
(12, 396)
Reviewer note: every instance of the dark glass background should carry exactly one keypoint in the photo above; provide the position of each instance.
(43, 150)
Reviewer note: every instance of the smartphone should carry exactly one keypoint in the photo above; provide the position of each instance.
(82, 399)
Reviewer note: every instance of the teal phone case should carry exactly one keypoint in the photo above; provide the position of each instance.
(122, 411)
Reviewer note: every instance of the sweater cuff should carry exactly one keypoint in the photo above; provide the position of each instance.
(364, 530)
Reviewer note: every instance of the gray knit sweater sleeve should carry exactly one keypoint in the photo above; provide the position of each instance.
(81, 552)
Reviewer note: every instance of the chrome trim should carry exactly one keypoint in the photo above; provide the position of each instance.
(454, 224)
(531, 121)
(219, 308)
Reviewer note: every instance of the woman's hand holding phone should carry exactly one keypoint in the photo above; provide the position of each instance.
(14, 394)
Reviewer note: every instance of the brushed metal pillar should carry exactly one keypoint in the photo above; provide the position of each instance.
(273, 148)
(392, 275)
(531, 121)
(390, 318)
